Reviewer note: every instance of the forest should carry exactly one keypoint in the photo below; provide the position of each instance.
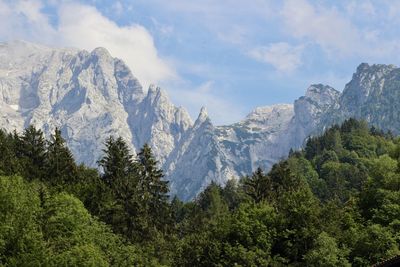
(334, 203)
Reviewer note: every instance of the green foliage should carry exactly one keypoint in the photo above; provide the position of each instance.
(120, 179)
(373, 244)
(60, 166)
(9, 163)
(211, 202)
(117, 165)
(31, 151)
(58, 232)
(325, 253)
(152, 191)
(250, 236)
(21, 241)
(138, 205)
(334, 203)
(257, 186)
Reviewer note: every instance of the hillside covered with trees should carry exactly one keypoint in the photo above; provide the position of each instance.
(334, 203)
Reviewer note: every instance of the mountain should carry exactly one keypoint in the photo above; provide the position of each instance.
(219, 153)
(91, 95)
(79, 92)
(372, 94)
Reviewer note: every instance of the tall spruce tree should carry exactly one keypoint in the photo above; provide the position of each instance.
(31, 150)
(153, 190)
(118, 166)
(120, 176)
(60, 165)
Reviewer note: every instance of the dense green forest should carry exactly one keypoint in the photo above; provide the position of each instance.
(334, 203)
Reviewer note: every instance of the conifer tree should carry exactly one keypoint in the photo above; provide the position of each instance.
(31, 149)
(119, 175)
(61, 167)
(258, 186)
(118, 166)
(9, 163)
(153, 190)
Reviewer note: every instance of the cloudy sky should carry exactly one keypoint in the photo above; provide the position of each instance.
(227, 55)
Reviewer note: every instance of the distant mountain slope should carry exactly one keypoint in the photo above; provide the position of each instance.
(91, 95)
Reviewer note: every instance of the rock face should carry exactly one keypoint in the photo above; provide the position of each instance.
(309, 110)
(199, 155)
(74, 90)
(256, 141)
(372, 94)
(91, 95)
(159, 123)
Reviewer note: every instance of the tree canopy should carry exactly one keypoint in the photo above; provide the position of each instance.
(334, 203)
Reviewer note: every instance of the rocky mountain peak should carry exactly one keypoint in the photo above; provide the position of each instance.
(101, 52)
(155, 93)
(368, 81)
(157, 122)
(366, 76)
(309, 110)
(203, 116)
(376, 69)
(319, 95)
(315, 91)
(129, 88)
(152, 89)
(267, 112)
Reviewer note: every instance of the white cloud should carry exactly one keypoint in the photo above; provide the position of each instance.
(325, 26)
(282, 56)
(24, 20)
(337, 34)
(85, 27)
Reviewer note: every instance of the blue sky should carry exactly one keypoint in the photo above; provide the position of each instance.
(228, 55)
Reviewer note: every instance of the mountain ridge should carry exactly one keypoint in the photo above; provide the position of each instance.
(91, 95)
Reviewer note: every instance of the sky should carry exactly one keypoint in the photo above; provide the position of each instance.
(228, 55)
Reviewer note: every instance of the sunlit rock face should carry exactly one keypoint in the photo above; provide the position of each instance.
(373, 94)
(74, 90)
(91, 95)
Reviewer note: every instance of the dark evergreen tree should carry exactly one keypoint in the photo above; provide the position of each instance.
(258, 186)
(120, 176)
(152, 189)
(60, 165)
(117, 163)
(313, 147)
(9, 163)
(283, 179)
(31, 150)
